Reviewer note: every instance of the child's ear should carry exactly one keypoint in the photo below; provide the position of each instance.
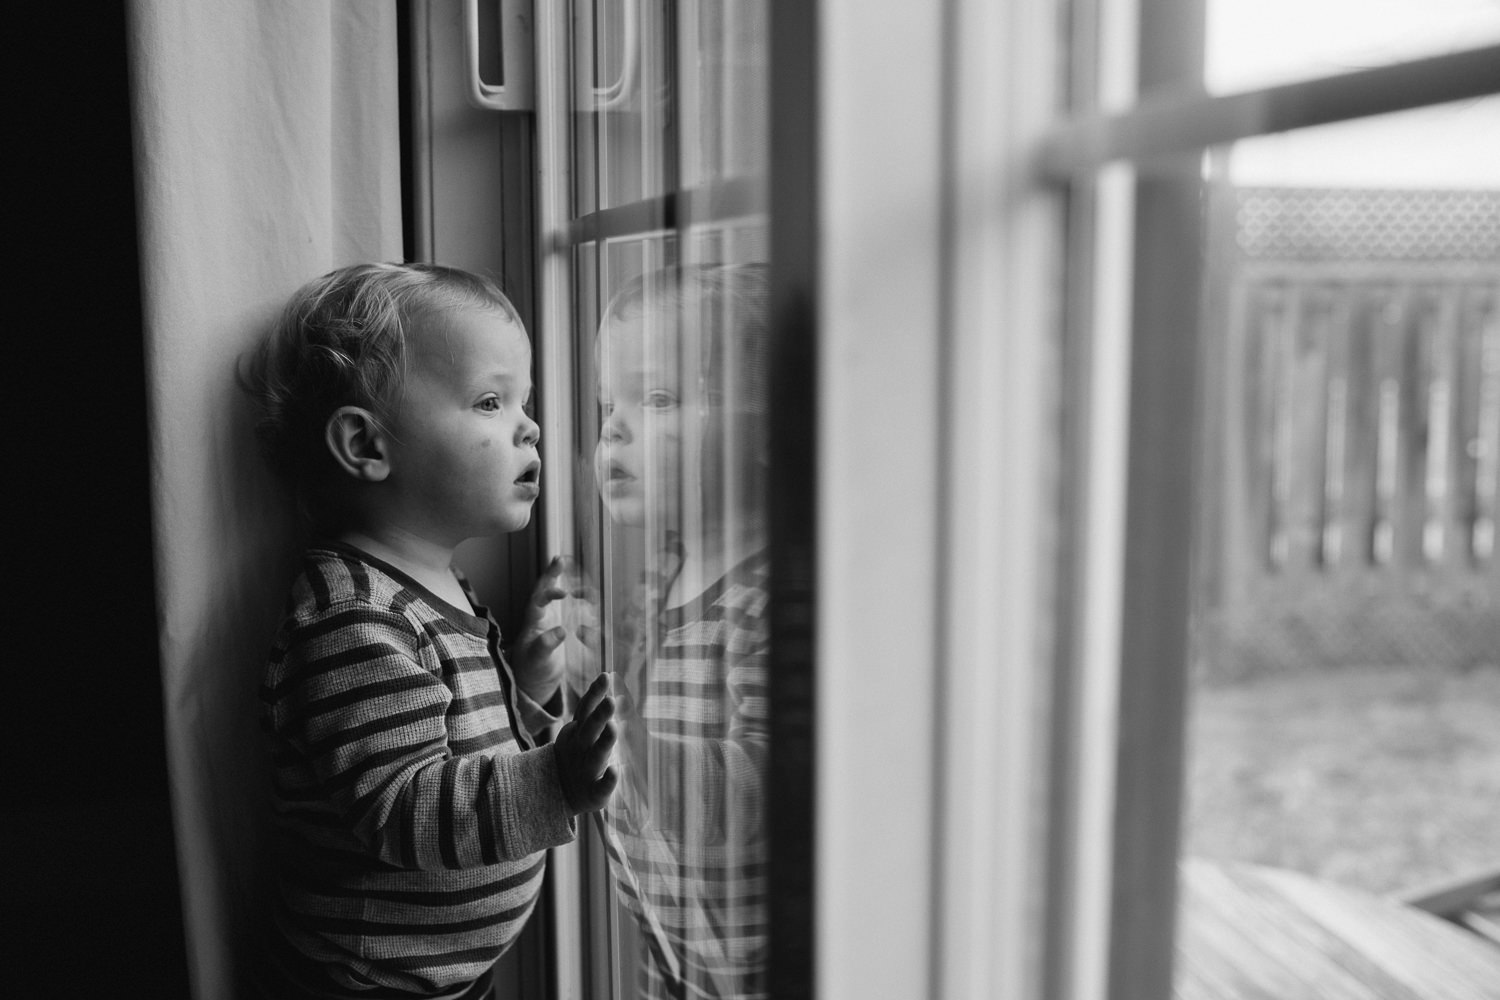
(357, 443)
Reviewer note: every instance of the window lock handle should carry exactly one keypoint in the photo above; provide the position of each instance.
(517, 92)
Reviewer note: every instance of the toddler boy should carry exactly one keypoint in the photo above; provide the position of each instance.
(414, 800)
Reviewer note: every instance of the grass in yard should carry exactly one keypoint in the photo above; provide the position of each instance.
(1380, 778)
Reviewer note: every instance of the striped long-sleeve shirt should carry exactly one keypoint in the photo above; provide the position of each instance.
(690, 829)
(412, 808)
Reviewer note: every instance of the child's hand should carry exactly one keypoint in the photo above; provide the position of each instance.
(584, 747)
(632, 729)
(545, 651)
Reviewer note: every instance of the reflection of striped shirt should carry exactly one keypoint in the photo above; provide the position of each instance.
(412, 810)
(693, 838)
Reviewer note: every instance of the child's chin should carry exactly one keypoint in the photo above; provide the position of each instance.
(516, 520)
(626, 513)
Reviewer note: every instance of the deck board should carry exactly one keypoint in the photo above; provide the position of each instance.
(1247, 932)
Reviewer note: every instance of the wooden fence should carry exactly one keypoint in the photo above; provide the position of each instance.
(1352, 462)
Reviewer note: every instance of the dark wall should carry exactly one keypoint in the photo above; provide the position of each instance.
(91, 889)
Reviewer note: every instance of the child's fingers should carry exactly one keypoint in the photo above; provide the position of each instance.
(600, 789)
(598, 757)
(545, 595)
(604, 743)
(563, 574)
(543, 643)
(596, 693)
(555, 583)
(536, 646)
(604, 785)
(592, 727)
(587, 754)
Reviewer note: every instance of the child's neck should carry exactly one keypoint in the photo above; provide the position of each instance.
(714, 554)
(429, 563)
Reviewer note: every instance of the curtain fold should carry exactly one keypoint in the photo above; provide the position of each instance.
(267, 152)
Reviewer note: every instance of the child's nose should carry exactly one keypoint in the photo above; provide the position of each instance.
(531, 433)
(615, 430)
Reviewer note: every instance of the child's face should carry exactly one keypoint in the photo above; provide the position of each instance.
(650, 440)
(464, 460)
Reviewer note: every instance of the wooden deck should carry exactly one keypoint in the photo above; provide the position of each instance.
(1247, 932)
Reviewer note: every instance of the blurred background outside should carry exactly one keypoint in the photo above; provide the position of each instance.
(1345, 710)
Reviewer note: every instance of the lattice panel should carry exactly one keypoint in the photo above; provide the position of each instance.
(1367, 225)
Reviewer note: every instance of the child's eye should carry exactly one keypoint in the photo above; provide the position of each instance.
(529, 407)
(660, 399)
(489, 404)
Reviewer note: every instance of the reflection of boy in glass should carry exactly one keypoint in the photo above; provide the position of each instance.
(681, 456)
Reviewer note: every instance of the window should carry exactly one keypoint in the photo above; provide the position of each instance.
(1014, 299)
(1235, 226)
(655, 251)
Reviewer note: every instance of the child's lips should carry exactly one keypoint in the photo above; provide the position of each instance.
(529, 481)
(617, 478)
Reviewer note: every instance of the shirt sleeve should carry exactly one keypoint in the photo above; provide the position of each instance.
(369, 722)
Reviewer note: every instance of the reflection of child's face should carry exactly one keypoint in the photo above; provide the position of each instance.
(649, 443)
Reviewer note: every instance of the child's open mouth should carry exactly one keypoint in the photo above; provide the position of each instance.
(618, 482)
(530, 476)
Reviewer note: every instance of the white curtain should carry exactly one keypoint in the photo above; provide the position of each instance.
(267, 152)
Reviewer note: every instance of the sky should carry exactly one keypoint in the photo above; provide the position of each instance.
(1262, 43)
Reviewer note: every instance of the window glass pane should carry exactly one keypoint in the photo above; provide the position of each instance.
(625, 127)
(1450, 146)
(1342, 743)
(666, 96)
(669, 463)
(1268, 42)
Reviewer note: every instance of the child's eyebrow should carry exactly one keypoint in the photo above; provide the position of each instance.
(504, 376)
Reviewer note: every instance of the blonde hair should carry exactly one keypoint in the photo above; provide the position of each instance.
(729, 323)
(341, 341)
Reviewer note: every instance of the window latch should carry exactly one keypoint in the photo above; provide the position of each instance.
(517, 89)
(517, 59)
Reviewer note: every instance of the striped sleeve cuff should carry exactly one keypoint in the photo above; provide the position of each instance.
(534, 813)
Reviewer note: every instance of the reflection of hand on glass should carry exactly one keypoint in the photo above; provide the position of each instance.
(633, 752)
(559, 638)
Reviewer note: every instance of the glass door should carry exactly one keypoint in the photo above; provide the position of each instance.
(1284, 273)
(652, 156)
